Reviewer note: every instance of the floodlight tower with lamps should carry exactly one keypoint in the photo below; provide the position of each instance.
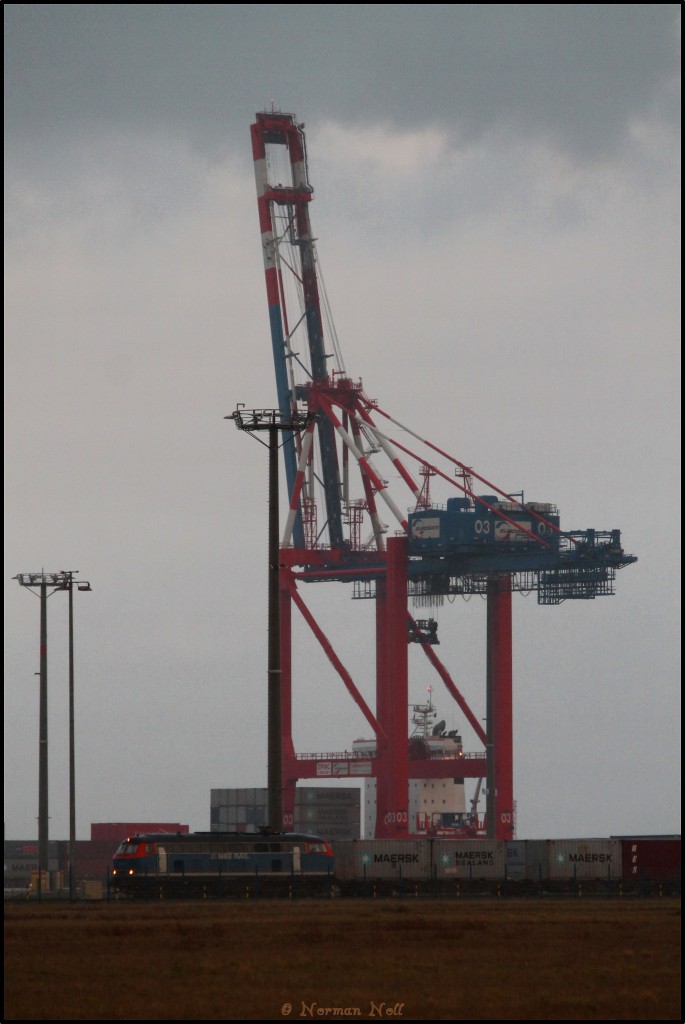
(42, 582)
(69, 585)
(45, 585)
(274, 422)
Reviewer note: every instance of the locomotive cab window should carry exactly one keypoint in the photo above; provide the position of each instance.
(127, 847)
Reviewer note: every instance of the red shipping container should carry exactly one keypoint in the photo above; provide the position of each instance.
(118, 831)
(655, 860)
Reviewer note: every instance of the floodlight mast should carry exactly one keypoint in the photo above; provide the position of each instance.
(274, 422)
(80, 585)
(42, 582)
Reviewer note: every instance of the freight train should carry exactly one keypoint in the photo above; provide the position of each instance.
(198, 862)
(253, 864)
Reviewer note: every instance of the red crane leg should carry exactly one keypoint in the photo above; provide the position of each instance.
(392, 687)
(500, 726)
(383, 707)
(288, 759)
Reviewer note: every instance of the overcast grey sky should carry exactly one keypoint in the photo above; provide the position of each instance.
(497, 204)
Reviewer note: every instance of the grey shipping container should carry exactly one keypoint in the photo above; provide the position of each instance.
(584, 859)
(333, 832)
(469, 858)
(537, 859)
(323, 813)
(305, 795)
(516, 859)
(382, 858)
(313, 795)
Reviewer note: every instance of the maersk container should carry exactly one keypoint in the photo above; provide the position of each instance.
(348, 797)
(537, 859)
(397, 859)
(584, 859)
(332, 832)
(469, 858)
(327, 814)
(655, 860)
(515, 863)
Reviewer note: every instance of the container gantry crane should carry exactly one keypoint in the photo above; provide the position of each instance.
(483, 541)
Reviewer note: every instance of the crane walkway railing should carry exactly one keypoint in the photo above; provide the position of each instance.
(356, 755)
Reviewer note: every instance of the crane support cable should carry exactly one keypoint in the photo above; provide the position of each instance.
(335, 660)
(364, 464)
(329, 315)
(376, 525)
(462, 466)
(299, 483)
(455, 483)
(391, 454)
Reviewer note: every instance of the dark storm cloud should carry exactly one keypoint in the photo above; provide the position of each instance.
(576, 74)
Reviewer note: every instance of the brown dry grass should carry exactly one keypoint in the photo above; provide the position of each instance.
(411, 959)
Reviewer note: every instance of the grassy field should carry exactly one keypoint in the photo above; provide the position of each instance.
(410, 959)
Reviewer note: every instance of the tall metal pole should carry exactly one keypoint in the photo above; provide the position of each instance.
(43, 818)
(43, 582)
(72, 755)
(81, 585)
(273, 420)
(275, 771)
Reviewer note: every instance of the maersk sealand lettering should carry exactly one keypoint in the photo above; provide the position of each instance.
(396, 858)
(590, 858)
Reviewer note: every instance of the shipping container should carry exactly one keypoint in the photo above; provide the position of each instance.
(327, 814)
(516, 860)
(315, 795)
(468, 858)
(118, 831)
(93, 858)
(537, 859)
(655, 859)
(584, 859)
(371, 859)
(334, 832)
(26, 849)
(335, 823)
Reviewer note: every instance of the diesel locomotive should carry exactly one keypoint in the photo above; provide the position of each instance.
(213, 861)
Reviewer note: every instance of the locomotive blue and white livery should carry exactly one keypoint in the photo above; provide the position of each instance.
(211, 861)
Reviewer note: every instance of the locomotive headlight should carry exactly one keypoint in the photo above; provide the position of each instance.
(130, 871)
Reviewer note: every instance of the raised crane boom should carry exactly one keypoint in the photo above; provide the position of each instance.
(284, 219)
